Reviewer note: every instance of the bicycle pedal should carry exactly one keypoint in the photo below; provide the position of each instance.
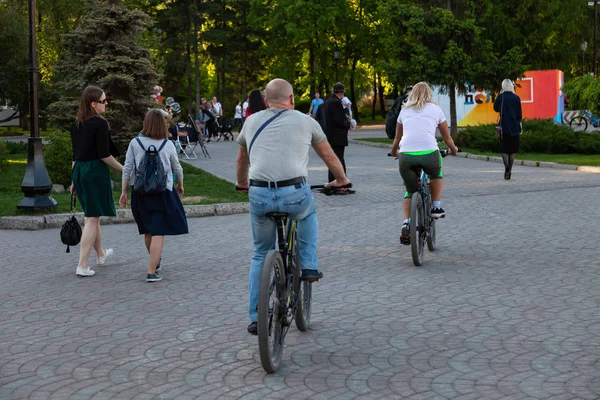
(405, 240)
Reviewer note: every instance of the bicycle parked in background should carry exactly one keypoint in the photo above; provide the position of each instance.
(580, 122)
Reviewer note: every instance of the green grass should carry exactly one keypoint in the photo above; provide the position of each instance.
(573, 159)
(200, 188)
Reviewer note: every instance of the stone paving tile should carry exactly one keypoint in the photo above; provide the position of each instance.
(505, 308)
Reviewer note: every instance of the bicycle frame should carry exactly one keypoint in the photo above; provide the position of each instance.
(286, 228)
(593, 119)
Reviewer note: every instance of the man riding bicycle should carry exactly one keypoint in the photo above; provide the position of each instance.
(272, 163)
(415, 135)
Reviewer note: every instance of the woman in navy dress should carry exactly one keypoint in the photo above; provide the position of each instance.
(508, 104)
(156, 214)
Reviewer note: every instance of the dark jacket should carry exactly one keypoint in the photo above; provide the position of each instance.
(508, 105)
(336, 123)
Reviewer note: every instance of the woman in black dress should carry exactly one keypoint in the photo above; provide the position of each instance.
(508, 104)
(92, 145)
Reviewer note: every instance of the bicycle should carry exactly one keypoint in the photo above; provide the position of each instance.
(422, 224)
(580, 122)
(282, 296)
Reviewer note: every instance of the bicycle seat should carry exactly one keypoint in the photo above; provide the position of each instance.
(276, 215)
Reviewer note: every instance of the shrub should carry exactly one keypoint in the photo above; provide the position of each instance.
(539, 136)
(3, 153)
(58, 156)
(16, 147)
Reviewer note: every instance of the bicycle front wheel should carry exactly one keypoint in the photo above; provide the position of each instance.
(417, 228)
(271, 304)
(303, 290)
(579, 124)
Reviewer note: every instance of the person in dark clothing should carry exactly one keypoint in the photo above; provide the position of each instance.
(508, 104)
(320, 115)
(336, 125)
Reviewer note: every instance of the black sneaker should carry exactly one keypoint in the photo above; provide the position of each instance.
(311, 275)
(153, 277)
(158, 265)
(253, 328)
(405, 237)
(438, 212)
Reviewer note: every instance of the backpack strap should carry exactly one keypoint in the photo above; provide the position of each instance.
(261, 129)
(163, 144)
(140, 143)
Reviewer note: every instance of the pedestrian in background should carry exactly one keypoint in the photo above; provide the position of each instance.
(314, 105)
(156, 214)
(237, 119)
(508, 104)
(93, 153)
(256, 102)
(336, 125)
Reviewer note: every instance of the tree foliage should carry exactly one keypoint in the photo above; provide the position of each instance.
(103, 51)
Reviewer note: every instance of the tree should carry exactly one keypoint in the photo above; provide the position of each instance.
(103, 51)
(13, 63)
(436, 46)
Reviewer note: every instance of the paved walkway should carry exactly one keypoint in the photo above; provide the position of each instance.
(506, 308)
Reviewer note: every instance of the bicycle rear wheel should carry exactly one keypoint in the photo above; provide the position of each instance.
(303, 289)
(417, 228)
(579, 124)
(431, 235)
(270, 311)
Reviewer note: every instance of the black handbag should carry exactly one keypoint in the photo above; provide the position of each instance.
(70, 233)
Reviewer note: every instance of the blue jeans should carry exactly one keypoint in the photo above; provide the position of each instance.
(299, 204)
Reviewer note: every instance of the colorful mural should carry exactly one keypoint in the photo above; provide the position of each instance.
(540, 93)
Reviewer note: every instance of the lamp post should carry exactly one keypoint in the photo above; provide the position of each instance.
(583, 48)
(336, 57)
(36, 185)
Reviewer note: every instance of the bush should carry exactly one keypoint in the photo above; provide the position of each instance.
(58, 156)
(302, 105)
(16, 147)
(3, 153)
(539, 136)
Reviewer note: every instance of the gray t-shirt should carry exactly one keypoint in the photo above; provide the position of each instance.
(280, 152)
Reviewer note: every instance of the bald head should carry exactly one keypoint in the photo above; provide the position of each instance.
(279, 92)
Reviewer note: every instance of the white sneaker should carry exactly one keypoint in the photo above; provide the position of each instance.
(107, 253)
(85, 271)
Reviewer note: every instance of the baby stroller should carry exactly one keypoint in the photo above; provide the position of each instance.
(226, 126)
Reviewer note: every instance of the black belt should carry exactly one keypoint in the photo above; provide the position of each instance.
(288, 182)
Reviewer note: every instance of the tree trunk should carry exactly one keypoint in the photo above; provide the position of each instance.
(381, 97)
(374, 95)
(311, 65)
(196, 62)
(453, 122)
(23, 120)
(190, 104)
(353, 90)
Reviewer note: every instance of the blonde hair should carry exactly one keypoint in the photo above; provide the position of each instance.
(420, 95)
(508, 86)
(155, 125)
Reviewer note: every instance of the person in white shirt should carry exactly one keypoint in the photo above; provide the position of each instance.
(238, 119)
(415, 136)
(244, 107)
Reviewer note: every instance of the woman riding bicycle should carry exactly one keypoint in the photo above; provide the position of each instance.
(415, 135)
